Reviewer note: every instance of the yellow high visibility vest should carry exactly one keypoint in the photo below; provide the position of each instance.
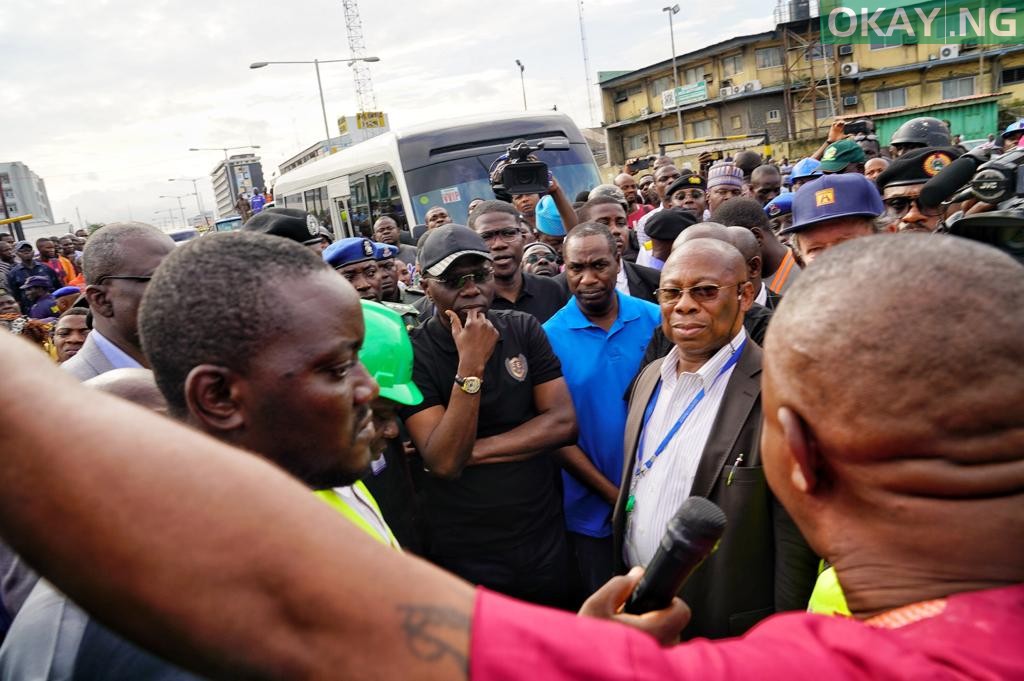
(339, 504)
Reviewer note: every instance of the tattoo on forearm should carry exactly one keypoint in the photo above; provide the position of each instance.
(426, 629)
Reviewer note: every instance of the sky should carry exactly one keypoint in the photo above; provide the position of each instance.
(104, 98)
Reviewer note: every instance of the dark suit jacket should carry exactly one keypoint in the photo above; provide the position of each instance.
(763, 565)
(641, 281)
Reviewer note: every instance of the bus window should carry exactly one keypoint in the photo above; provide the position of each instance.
(453, 184)
(316, 203)
(292, 201)
(385, 199)
(359, 209)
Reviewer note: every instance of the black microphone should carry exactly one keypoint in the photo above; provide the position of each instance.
(691, 536)
(949, 180)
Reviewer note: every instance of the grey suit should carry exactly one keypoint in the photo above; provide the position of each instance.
(88, 362)
(763, 565)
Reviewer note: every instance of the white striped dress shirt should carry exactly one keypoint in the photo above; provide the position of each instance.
(660, 491)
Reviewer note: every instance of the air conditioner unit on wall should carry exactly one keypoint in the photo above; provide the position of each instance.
(752, 86)
(850, 69)
(949, 51)
(845, 50)
(645, 111)
(850, 100)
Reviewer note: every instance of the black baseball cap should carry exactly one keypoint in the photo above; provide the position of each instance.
(667, 224)
(444, 245)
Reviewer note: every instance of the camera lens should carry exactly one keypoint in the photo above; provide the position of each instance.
(1011, 240)
(990, 185)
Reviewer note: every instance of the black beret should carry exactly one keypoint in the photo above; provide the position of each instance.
(686, 181)
(917, 166)
(667, 224)
(291, 223)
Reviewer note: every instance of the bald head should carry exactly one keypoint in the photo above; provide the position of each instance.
(701, 230)
(135, 385)
(892, 409)
(724, 254)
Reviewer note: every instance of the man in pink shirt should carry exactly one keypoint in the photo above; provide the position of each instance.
(892, 440)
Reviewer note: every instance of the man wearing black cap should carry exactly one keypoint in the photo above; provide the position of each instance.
(290, 223)
(901, 184)
(495, 406)
(497, 223)
(663, 228)
(38, 292)
(689, 192)
(28, 266)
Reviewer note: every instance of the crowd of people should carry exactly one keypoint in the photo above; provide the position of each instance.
(524, 402)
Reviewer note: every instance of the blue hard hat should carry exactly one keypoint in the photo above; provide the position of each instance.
(1016, 126)
(347, 251)
(548, 220)
(805, 167)
(780, 205)
(834, 196)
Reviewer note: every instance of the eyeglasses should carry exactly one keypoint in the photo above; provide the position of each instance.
(535, 258)
(458, 283)
(898, 206)
(701, 294)
(506, 234)
(689, 194)
(126, 277)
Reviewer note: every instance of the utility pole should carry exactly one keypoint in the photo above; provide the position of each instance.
(586, 62)
(522, 81)
(674, 9)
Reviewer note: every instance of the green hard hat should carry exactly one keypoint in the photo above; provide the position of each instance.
(387, 354)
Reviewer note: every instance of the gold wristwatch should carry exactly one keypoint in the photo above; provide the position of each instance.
(469, 385)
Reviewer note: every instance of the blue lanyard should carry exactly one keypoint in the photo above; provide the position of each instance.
(644, 466)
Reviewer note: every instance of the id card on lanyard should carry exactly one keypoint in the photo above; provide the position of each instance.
(642, 467)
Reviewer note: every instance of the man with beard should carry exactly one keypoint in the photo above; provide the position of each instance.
(495, 408)
(599, 336)
(497, 224)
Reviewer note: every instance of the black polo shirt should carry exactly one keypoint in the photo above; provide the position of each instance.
(540, 296)
(492, 507)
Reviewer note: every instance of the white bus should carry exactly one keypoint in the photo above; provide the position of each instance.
(404, 174)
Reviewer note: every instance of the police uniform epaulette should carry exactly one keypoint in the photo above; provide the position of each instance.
(410, 315)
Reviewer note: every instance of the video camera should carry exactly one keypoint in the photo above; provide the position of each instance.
(998, 181)
(518, 171)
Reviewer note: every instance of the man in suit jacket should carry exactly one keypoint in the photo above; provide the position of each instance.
(118, 260)
(710, 382)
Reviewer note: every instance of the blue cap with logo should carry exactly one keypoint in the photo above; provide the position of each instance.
(349, 251)
(383, 251)
(832, 197)
(548, 220)
(780, 205)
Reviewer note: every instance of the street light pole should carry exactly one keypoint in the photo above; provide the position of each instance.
(319, 84)
(181, 206)
(522, 81)
(674, 9)
(195, 192)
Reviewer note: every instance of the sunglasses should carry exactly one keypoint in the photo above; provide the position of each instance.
(506, 234)
(126, 277)
(689, 194)
(700, 294)
(898, 206)
(458, 283)
(535, 258)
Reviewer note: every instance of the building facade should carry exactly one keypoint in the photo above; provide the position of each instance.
(235, 176)
(778, 91)
(24, 193)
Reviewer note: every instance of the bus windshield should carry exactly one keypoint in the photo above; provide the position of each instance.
(228, 224)
(453, 184)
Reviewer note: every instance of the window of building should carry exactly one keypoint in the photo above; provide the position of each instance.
(693, 75)
(891, 99)
(737, 122)
(633, 143)
(1013, 75)
(892, 41)
(767, 57)
(958, 87)
(824, 109)
(732, 64)
(668, 135)
(819, 51)
(774, 115)
(702, 128)
(660, 85)
(627, 92)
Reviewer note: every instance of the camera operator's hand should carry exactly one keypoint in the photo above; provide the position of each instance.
(553, 186)
(836, 132)
(475, 341)
(606, 604)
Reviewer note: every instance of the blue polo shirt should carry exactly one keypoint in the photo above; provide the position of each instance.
(598, 366)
